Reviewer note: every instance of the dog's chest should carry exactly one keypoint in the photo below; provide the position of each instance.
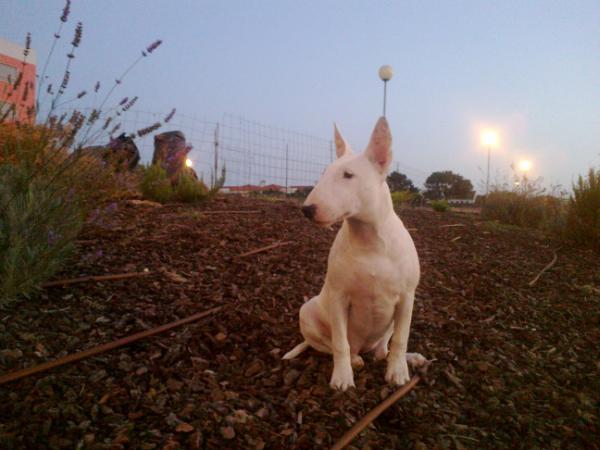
(368, 278)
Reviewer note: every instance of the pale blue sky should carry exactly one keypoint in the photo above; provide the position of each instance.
(529, 68)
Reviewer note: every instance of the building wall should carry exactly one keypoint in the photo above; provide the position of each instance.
(11, 61)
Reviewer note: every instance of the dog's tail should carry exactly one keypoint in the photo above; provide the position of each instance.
(296, 350)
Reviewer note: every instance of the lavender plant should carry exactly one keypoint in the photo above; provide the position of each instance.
(48, 187)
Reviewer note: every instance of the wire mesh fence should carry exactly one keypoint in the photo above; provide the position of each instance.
(252, 153)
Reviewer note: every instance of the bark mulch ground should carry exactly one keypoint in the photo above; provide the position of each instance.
(516, 365)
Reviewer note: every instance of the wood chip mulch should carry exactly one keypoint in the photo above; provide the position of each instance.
(517, 366)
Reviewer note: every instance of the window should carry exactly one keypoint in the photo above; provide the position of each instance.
(4, 108)
(7, 72)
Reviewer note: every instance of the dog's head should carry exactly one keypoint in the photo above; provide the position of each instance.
(354, 185)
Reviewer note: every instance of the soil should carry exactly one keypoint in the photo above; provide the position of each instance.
(516, 366)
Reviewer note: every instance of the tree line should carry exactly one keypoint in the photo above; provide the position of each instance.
(438, 185)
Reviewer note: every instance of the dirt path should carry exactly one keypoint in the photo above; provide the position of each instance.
(517, 366)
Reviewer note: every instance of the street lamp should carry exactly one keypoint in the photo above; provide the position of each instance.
(189, 162)
(524, 165)
(489, 138)
(385, 73)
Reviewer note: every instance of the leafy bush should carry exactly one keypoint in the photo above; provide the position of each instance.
(155, 185)
(440, 205)
(403, 197)
(188, 189)
(516, 208)
(38, 226)
(583, 217)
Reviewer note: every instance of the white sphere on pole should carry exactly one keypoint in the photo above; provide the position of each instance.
(386, 73)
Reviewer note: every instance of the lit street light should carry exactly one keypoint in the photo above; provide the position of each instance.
(189, 162)
(524, 165)
(385, 73)
(489, 138)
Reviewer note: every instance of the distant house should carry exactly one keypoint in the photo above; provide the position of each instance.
(253, 188)
(21, 102)
(463, 201)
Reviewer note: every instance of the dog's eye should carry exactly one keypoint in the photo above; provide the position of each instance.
(348, 174)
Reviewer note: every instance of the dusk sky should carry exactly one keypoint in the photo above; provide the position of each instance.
(530, 69)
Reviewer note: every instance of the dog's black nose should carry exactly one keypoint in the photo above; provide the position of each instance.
(309, 211)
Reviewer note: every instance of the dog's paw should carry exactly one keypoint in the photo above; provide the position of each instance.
(342, 379)
(415, 360)
(397, 372)
(357, 362)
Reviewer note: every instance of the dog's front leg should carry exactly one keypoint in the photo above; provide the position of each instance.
(397, 368)
(342, 376)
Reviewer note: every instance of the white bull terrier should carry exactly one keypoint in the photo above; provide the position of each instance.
(372, 270)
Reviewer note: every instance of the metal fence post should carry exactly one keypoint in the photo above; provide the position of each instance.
(215, 174)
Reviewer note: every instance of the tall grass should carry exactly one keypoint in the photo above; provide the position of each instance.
(583, 218)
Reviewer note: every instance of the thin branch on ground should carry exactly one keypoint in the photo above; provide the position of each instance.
(264, 249)
(7, 378)
(453, 225)
(548, 266)
(376, 412)
(119, 276)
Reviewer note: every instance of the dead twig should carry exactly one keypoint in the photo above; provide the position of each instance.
(264, 249)
(548, 266)
(7, 378)
(230, 212)
(375, 412)
(456, 238)
(119, 276)
(453, 225)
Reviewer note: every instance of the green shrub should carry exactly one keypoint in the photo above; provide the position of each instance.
(188, 189)
(38, 227)
(155, 185)
(440, 205)
(583, 217)
(400, 198)
(515, 208)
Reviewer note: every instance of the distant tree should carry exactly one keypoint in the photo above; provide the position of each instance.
(399, 182)
(445, 185)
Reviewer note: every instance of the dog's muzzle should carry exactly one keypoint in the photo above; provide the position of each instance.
(309, 211)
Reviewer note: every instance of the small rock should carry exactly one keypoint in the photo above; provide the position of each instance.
(220, 337)
(12, 353)
(184, 428)
(291, 376)
(227, 432)
(254, 368)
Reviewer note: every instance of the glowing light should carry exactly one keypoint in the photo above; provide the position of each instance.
(489, 138)
(189, 162)
(524, 165)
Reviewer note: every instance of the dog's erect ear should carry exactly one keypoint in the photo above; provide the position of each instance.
(379, 150)
(341, 146)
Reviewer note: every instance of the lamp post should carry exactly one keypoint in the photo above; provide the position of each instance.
(489, 139)
(385, 73)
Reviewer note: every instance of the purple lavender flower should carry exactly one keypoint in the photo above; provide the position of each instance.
(66, 11)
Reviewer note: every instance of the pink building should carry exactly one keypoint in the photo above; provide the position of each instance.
(11, 67)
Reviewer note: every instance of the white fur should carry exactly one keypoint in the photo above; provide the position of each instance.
(373, 267)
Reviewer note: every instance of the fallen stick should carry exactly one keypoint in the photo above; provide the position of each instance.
(264, 249)
(119, 276)
(374, 413)
(230, 212)
(548, 266)
(453, 225)
(12, 376)
(456, 238)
